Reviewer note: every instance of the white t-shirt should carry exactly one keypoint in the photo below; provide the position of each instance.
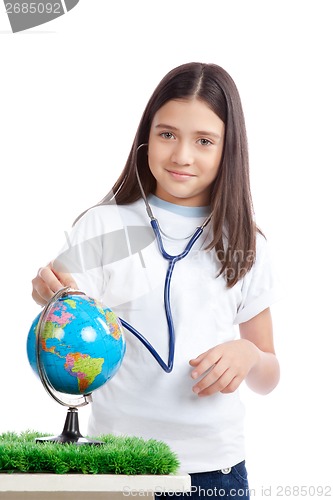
(114, 257)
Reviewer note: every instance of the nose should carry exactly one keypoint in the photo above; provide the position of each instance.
(182, 154)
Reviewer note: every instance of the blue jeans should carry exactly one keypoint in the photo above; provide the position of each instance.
(226, 483)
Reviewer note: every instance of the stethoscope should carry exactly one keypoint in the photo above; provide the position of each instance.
(167, 284)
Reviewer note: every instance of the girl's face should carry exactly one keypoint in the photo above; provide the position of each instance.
(184, 151)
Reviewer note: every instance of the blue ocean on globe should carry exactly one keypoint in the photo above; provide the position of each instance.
(82, 344)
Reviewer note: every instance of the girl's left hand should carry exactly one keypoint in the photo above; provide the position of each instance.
(224, 367)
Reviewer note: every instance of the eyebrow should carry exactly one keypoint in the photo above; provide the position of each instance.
(199, 132)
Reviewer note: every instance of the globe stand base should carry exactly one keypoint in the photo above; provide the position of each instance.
(70, 433)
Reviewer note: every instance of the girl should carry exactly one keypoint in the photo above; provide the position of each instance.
(188, 167)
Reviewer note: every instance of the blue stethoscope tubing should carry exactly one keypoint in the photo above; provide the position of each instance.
(172, 261)
(167, 367)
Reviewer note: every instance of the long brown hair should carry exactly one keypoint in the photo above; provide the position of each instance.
(234, 228)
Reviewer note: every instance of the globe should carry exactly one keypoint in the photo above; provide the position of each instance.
(75, 345)
(81, 344)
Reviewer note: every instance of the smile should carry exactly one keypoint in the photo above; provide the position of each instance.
(180, 175)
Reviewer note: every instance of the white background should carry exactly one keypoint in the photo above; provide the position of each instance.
(71, 95)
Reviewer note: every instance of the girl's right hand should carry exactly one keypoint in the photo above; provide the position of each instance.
(47, 282)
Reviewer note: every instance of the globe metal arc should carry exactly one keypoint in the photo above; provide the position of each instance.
(81, 401)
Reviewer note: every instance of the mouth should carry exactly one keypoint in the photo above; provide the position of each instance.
(180, 175)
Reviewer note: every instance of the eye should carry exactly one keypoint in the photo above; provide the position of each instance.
(167, 135)
(205, 142)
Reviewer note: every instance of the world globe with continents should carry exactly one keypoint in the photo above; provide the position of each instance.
(81, 344)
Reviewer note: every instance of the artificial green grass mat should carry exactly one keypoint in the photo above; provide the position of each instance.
(119, 455)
